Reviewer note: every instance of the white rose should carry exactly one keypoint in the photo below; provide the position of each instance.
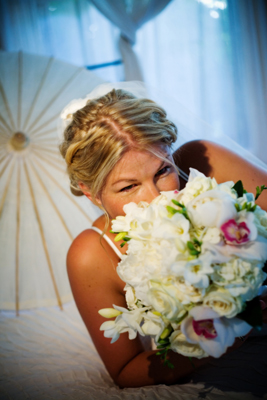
(130, 269)
(197, 184)
(188, 293)
(160, 298)
(180, 345)
(223, 303)
(211, 209)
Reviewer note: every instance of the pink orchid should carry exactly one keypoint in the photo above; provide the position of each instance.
(205, 327)
(235, 233)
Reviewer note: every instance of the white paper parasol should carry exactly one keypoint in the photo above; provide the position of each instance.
(38, 215)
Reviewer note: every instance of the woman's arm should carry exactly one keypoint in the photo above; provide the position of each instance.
(222, 164)
(95, 285)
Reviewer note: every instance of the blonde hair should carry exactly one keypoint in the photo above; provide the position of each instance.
(107, 127)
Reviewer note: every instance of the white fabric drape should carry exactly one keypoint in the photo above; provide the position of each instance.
(212, 60)
(128, 16)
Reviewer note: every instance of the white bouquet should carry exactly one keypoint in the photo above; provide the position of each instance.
(193, 268)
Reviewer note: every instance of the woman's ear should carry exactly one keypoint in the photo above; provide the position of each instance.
(88, 194)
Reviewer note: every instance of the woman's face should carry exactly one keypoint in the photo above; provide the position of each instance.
(138, 176)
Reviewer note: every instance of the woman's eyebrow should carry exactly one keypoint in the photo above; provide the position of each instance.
(161, 165)
(124, 180)
(130, 180)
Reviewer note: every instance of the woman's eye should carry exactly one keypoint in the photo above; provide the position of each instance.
(127, 188)
(163, 170)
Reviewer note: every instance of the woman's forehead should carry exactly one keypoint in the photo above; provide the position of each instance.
(136, 162)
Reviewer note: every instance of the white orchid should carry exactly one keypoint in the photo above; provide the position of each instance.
(213, 334)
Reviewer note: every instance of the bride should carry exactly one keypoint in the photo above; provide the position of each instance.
(118, 149)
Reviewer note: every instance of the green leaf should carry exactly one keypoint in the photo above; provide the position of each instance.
(193, 250)
(259, 191)
(237, 206)
(252, 313)
(238, 186)
(197, 242)
(178, 204)
(172, 210)
(164, 341)
(244, 206)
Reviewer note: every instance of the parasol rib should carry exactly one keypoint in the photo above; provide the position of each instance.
(43, 148)
(17, 242)
(2, 91)
(64, 191)
(4, 136)
(51, 140)
(52, 202)
(59, 168)
(8, 127)
(4, 167)
(3, 158)
(43, 237)
(52, 130)
(20, 63)
(32, 133)
(51, 157)
(76, 73)
(6, 189)
(48, 66)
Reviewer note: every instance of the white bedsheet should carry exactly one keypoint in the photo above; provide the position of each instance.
(48, 354)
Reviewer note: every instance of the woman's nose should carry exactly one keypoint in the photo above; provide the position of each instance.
(152, 191)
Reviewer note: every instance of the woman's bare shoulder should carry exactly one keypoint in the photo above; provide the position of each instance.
(204, 156)
(221, 163)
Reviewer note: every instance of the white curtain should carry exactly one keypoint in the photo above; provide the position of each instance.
(129, 15)
(210, 55)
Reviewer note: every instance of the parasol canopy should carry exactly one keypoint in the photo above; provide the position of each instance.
(39, 217)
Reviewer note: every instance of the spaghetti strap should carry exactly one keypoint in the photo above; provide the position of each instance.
(108, 240)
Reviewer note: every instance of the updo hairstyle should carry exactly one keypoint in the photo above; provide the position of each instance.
(101, 133)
